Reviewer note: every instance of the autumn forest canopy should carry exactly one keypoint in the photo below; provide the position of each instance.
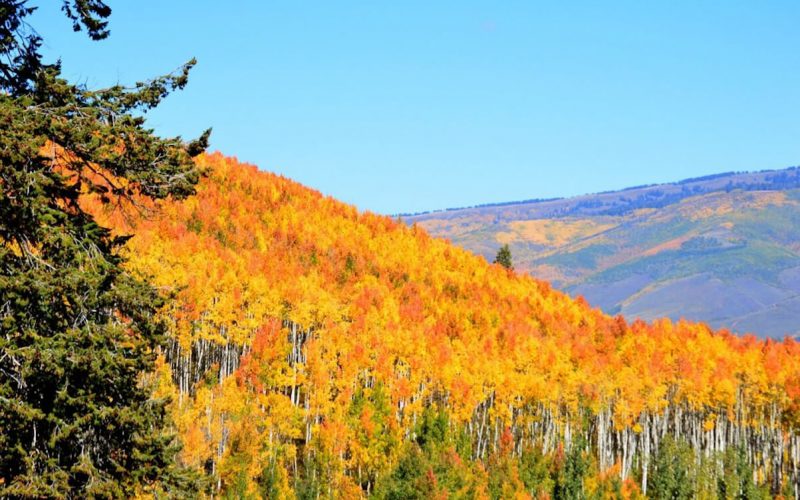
(175, 323)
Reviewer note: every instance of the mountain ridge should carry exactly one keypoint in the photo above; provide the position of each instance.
(618, 248)
(691, 180)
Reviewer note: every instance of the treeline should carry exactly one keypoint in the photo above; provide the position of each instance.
(659, 197)
(622, 202)
(542, 450)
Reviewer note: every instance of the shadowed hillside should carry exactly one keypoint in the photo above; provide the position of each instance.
(723, 249)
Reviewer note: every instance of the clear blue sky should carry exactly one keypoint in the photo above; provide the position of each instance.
(409, 106)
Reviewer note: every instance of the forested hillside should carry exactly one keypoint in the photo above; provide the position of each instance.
(320, 351)
(721, 249)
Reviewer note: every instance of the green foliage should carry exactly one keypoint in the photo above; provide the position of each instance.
(78, 332)
(310, 485)
(423, 473)
(570, 478)
(535, 471)
(370, 415)
(431, 430)
(437, 461)
(587, 257)
(269, 481)
(673, 468)
(411, 479)
(504, 257)
(736, 481)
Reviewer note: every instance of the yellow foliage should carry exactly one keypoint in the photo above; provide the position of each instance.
(552, 232)
(333, 307)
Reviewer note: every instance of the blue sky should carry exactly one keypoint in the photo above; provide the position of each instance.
(410, 106)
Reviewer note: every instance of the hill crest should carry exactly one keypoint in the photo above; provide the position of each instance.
(312, 342)
(647, 195)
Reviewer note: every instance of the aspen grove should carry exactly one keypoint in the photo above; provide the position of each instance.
(315, 347)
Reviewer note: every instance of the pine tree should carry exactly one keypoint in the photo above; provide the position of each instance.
(504, 257)
(78, 333)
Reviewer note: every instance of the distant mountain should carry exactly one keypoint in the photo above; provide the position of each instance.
(722, 249)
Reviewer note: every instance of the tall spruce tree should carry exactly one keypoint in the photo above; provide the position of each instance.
(504, 257)
(77, 331)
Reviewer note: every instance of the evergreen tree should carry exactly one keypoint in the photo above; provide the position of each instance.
(504, 257)
(77, 332)
(569, 483)
(736, 480)
(535, 471)
(412, 477)
(672, 477)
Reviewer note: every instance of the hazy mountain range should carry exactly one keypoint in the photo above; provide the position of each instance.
(723, 249)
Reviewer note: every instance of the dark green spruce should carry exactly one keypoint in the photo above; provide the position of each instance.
(504, 257)
(77, 332)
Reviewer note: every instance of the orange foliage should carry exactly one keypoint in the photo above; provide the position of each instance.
(383, 304)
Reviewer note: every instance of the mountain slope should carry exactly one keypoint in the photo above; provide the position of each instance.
(318, 349)
(722, 249)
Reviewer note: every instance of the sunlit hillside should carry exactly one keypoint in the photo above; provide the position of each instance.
(316, 348)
